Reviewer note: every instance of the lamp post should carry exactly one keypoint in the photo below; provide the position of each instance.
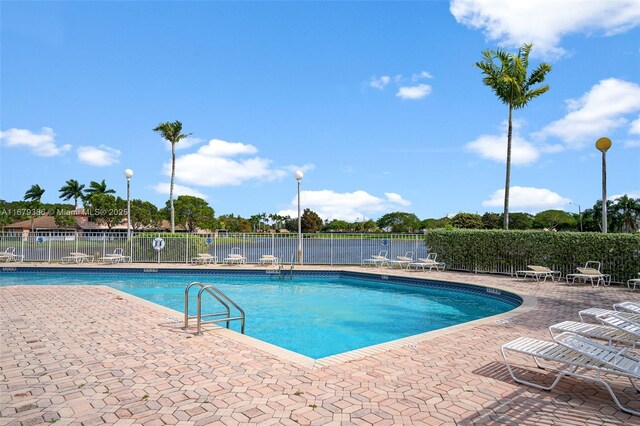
(128, 173)
(299, 176)
(579, 213)
(603, 144)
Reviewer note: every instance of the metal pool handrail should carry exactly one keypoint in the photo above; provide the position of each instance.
(220, 297)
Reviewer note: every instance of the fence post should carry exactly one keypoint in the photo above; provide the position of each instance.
(331, 249)
(22, 246)
(186, 259)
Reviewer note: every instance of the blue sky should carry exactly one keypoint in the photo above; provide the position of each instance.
(377, 102)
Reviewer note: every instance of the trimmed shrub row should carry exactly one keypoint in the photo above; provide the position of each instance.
(499, 251)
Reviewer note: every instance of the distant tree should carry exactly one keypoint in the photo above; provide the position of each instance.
(172, 132)
(310, 221)
(506, 74)
(192, 212)
(491, 221)
(431, 223)
(97, 188)
(34, 197)
(467, 221)
(143, 214)
(106, 209)
(337, 225)
(521, 221)
(234, 223)
(399, 222)
(596, 215)
(65, 221)
(369, 225)
(34, 193)
(555, 219)
(627, 212)
(72, 189)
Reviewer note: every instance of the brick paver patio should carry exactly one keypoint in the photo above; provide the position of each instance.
(83, 355)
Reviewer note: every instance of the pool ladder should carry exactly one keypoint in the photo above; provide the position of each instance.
(220, 297)
(280, 269)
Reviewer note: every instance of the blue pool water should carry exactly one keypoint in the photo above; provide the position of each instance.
(314, 316)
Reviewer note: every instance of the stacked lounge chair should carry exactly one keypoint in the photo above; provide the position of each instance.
(575, 352)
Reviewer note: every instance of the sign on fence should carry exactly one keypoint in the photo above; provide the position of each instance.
(158, 244)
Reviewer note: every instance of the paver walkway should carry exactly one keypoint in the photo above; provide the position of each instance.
(80, 355)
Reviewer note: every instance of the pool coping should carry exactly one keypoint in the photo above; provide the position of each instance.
(528, 303)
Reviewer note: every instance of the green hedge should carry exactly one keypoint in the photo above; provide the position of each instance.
(498, 251)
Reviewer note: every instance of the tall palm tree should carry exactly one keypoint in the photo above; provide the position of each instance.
(628, 211)
(506, 74)
(34, 194)
(171, 132)
(97, 188)
(72, 189)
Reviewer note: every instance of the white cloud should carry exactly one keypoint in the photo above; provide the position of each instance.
(494, 147)
(213, 165)
(100, 156)
(379, 83)
(348, 206)
(42, 144)
(599, 111)
(414, 92)
(185, 143)
(634, 129)
(421, 75)
(545, 22)
(163, 188)
(630, 194)
(528, 199)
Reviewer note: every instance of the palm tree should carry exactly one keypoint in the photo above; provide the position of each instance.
(171, 133)
(34, 194)
(97, 188)
(506, 74)
(627, 210)
(72, 189)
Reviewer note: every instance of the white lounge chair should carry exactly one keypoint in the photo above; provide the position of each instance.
(578, 356)
(204, 258)
(116, 257)
(235, 257)
(268, 258)
(593, 313)
(590, 272)
(428, 262)
(632, 307)
(633, 282)
(597, 331)
(537, 272)
(401, 260)
(377, 260)
(10, 255)
(77, 257)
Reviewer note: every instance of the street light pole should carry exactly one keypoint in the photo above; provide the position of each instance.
(128, 173)
(579, 213)
(299, 176)
(603, 144)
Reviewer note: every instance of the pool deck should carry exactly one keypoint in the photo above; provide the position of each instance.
(92, 355)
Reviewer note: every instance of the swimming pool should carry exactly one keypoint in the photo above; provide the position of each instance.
(315, 314)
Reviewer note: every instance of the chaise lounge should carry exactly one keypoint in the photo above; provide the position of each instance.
(577, 356)
(538, 272)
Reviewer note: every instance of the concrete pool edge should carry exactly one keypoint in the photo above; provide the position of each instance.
(528, 303)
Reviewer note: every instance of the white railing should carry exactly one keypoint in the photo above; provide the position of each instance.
(317, 249)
